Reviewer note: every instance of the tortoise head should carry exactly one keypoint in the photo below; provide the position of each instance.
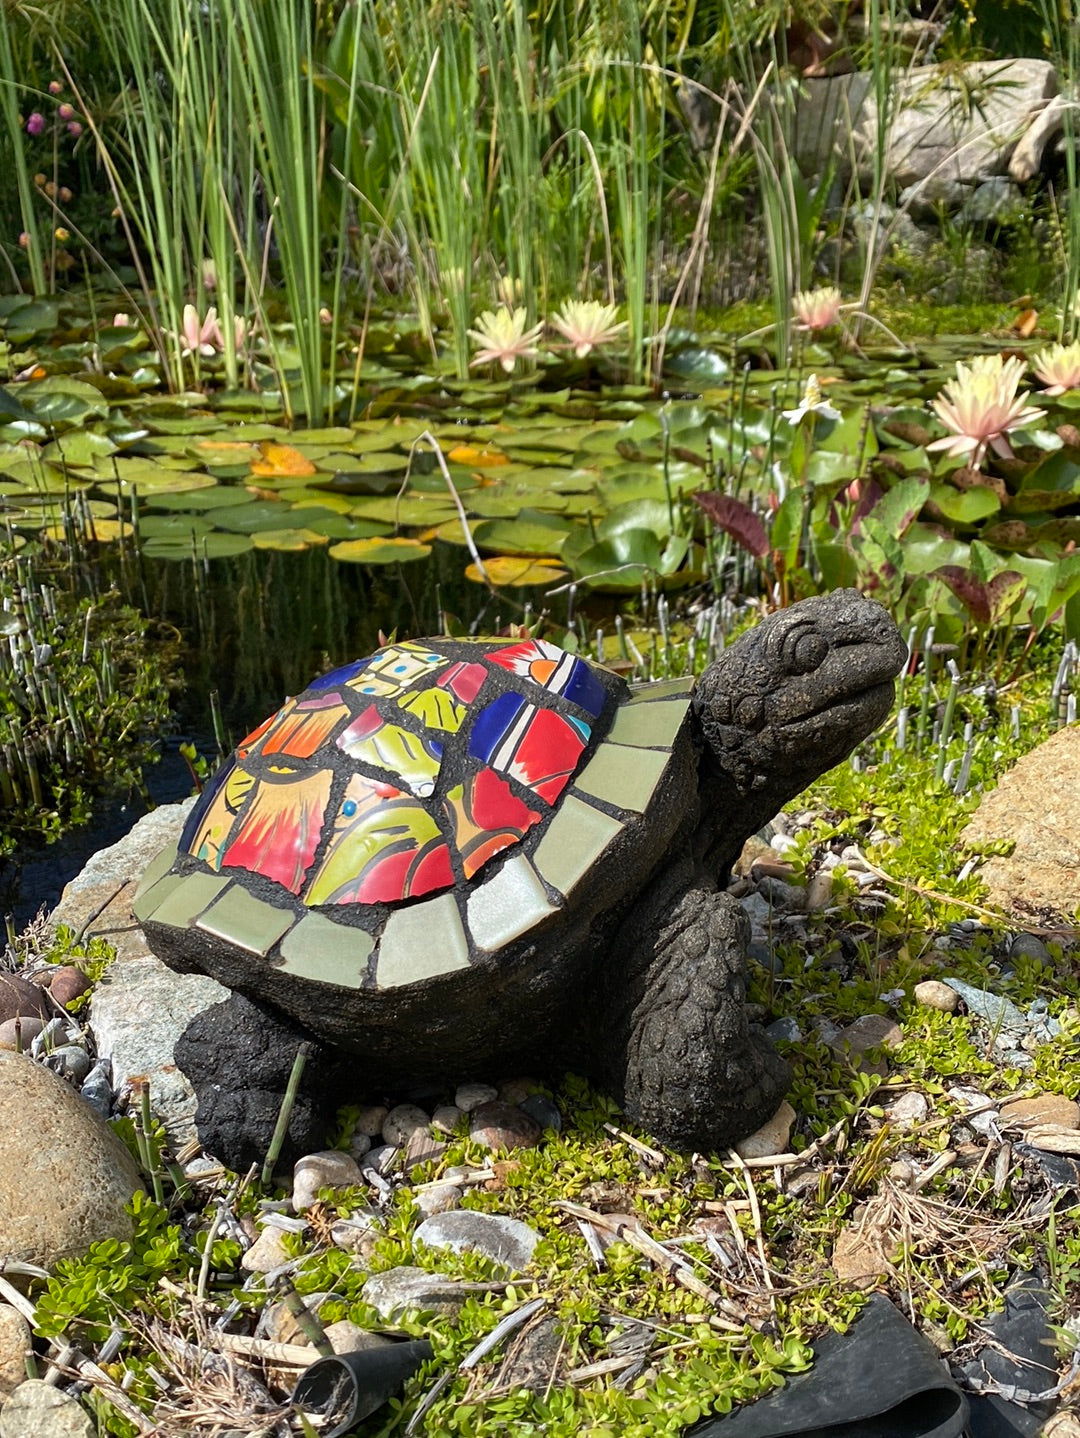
(795, 695)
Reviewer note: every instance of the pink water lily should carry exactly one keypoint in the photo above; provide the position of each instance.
(503, 338)
(981, 407)
(203, 336)
(1058, 366)
(816, 309)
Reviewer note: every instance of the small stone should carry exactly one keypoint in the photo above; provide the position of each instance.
(68, 983)
(1000, 1013)
(345, 1336)
(772, 1137)
(359, 1144)
(358, 1233)
(446, 1118)
(70, 1061)
(1029, 946)
(328, 1169)
(933, 994)
(36, 1410)
(370, 1119)
(543, 1109)
(20, 1033)
(472, 1095)
(908, 1111)
(819, 890)
(506, 1241)
(1043, 1108)
(278, 1325)
(513, 1091)
(16, 1341)
(784, 1030)
(398, 1291)
(985, 1121)
(381, 1158)
(403, 1121)
(21, 998)
(440, 1198)
(871, 1031)
(500, 1125)
(267, 1252)
(903, 1172)
(781, 895)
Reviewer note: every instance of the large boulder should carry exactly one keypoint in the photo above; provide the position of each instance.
(65, 1177)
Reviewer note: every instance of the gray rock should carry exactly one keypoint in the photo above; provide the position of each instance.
(65, 1177)
(985, 1121)
(70, 1061)
(35, 1410)
(501, 1125)
(398, 1291)
(329, 1169)
(1029, 946)
(506, 1241)
(446, 1118)
(16, 1341)
(370, 1119)
(908, 1111)
(781, 895)
(997, 201)
(138, 1012)
(993, 1009)
(97, 1088)
(19, 1033)
(359, 1145)
(439, 1198)
(784, 1030)
(543, 1109)
(402, 1122)
(1027, 157)
(472, 1095)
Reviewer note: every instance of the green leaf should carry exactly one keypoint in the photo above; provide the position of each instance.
(965, 506)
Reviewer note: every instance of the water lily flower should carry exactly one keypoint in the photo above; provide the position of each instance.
(121, 321)
(1058, 366)
(508, 290)
(35, 123)
(816, 309)
(503, 338)
(981, 407)
(587, 324)
(200, 336)
(812, 402)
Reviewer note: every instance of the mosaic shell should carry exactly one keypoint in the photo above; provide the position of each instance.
(416, 811)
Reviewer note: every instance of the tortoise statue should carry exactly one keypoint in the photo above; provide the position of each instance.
(459, 858)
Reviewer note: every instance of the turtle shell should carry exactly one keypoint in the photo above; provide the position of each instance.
(417, 811)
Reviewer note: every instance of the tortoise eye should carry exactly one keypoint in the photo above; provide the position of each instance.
(750, 711)
(804, 650)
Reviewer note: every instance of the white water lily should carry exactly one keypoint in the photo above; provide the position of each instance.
(816, 309)
(587, 324)
(1058, 366)
(812, 402)
(503, 338)
(981, 407)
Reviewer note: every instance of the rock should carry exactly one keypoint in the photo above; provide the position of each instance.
(345, 1336)
(1035, 806)
(446, 1118)
(65, 1177)
(471, 1095)
(1027, 157)
(16, 1341)
(997, 201)
(398, 1291)
(908, 1111)
(784, 1030)
(358, 1233)
(266, 1253)
(514, 1091)
(329, 1169)
(138, 1012)
(537, 1362)
(34, 1410)
(506, 1241)
(401, 1122)
(19, 998)
(359, 1145)
(1029, 946)
(370, 1120)
(278, 1324)
(788, 897)
(933, 994)
(858, 1255)
(1052, 1108)
(67, 984)
(870, 1031)
(819, 890)
(1000, 1013)
(543, 1109)
(70, 1061)
(498, 1125)
(773, 1137)
(439, 1198)
(985, 1121)
(18, 1034)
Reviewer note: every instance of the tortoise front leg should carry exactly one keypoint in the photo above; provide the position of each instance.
(695, 1074)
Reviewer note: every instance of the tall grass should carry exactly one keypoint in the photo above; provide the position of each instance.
(1063, 32)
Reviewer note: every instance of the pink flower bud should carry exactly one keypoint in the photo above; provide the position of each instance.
(24, 241)
(55, 87)
(35, 123)
(74, 128)
(66, 111)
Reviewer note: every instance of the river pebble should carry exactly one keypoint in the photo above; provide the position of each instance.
(500, 1125)
(471, 1095)
(543, 1109)
(15, 1343)
(933, 994)
(268, 1252)
(329, 1169)
(403, 1121)
(506, 1241)
(772, 1137)
(370, 1119)
(36, 1410)
(446, 1118)
(68, 983)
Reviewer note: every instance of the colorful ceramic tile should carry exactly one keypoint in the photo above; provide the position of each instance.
(487, 818)
(385, 847)
(250, 740)
(281, 828)
(536, 746)
(507, 905)
(464, 680)
(339, 676)
(648, 725)
(157, 868)
(663, 688)
(421, 942)
(411, 759)
(300, 729)
(242, 919)
(555, 670)
(185, 903)
(397, 667)
(622, 776)
(326, 953)
(576, 837)
(210, 822)
(434, 708)
(148, 900)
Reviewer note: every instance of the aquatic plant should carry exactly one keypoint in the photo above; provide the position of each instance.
(502, 338)
(586, 325)
(1058, 366)
(981, 407)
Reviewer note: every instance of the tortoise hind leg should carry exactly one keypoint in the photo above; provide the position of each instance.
(695, 1074)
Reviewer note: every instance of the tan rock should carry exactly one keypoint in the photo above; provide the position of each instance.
(1035, 805)
(772, 1137)
(15, 1344)
(64, 1175)
(266, 1253)
(933, 994)
(1065, 1424)
(1044, 1108)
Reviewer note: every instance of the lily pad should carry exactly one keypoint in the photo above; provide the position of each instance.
(287, 539)
(508, 571)
(379, 551)
(59, 400)
(215, 545)
(264, 515)
(531, 533)
(964, 506)
(219, 497)
(147, 476)
(79, 448)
